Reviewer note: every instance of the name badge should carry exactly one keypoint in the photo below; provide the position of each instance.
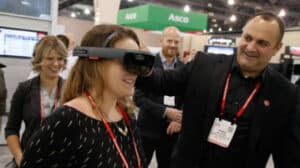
(169, 100)
(221, 132)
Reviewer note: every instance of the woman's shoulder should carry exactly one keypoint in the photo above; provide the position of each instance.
(64, 113)
(82, 106)
(63, 121)
(70, 117)
(27, 84)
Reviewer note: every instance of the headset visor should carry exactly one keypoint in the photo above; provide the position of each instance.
(136, 62)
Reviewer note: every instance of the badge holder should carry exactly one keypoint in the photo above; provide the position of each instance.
(222, 132)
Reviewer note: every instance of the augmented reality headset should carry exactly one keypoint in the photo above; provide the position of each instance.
(136, 62)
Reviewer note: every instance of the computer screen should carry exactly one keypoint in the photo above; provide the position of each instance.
(220, 50)
(222, 41)
(18, 42)
(295, 51)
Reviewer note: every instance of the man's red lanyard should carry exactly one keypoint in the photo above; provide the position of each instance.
(243, 108)
(54, 106)
(112, 135)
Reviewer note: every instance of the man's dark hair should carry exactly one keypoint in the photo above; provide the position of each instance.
(269, 16)
(64, 39)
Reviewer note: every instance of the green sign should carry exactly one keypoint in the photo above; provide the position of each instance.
(157, 18)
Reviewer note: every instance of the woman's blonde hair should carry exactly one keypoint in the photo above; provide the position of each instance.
(44, 47)
(87, 74)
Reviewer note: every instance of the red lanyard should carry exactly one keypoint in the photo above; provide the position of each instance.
(112, 135)
(243, 108)
(55, 104)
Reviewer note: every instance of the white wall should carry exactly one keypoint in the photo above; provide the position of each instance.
(75, 27)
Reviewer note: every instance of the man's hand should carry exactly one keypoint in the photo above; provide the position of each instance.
(174, 127)
(174, 114)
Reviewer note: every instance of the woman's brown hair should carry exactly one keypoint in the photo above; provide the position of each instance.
(87, 74)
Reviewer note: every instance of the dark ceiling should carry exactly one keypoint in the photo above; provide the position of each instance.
(218, 11)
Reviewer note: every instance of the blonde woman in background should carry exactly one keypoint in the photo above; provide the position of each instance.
(37, 98)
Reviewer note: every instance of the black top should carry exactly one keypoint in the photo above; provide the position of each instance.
(3, 93)
(26, 106)
(235, 155)
(71, 139)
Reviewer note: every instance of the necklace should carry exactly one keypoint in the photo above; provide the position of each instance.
(112, 135)
(124, 130)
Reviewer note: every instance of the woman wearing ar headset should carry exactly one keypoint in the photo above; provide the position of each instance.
(95, 127)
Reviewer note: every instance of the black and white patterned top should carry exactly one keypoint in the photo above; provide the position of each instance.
(69, 138)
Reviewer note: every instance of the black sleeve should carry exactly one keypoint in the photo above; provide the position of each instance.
(166, 82)
(15, 115)
(288, 155)
(53, 145)
(146, 104)
(3, 93)
(296, 129)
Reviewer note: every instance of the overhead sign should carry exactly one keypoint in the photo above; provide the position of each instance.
(153, 17)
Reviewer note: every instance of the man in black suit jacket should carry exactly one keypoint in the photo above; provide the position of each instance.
(159, 118)
(3, 94)
(3, 91)
(237, 110)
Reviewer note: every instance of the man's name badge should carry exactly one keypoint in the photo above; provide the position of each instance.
(169, 100)
(221, 132)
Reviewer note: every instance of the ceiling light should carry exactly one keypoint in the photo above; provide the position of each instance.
(214, 20)
(87, 11)
(230, 29)
(25, 3)
(258, 8)
(232, 18)
(204, 31)
(211, 14)
(209, 5)
(130, 0)
(73, 15)
(282, 13)
(230, 2)
(216, 25)
(211, 30)
(219, 29)
(187, 8)
(273, 1)
(96, 19)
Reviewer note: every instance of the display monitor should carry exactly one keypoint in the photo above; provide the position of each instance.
(222, 41)
(294, 51)
(220, 50)
(18, 42)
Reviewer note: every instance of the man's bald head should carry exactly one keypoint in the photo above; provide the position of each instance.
(170, 41)
(270, 17)
(171, 30)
